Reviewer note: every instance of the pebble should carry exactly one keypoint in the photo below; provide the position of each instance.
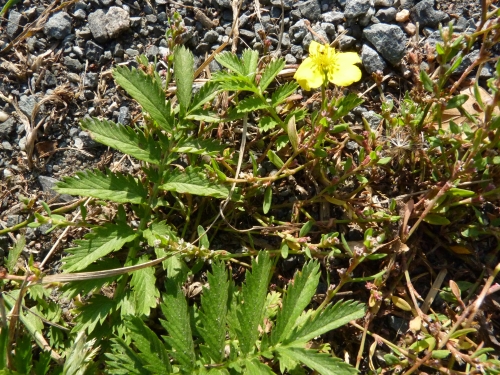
(14, 26)
(403, 15)
(386, 15)
(425, 14)
(117, 21)
(310, 10)
(58, 26)
(388, 40)
(93, 51)
(332, 17)
(371, 60)
(410, 28)
(73, 64)
(356, 8)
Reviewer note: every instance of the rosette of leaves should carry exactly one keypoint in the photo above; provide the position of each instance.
(236, 331)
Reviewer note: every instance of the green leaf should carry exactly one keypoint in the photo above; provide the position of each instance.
(98, 243)
(146, 90)
(292, 133)
(143, 286)
(456, 64)
(94, 312)
(283, 92)
(253, 295)
(344, 105)
(199, 147)
(123, 138)
(233, 82)
(436, 219)
(184, 75)
(178, 326)
(275, 159)
(254, 367)
(270, 73)
(426, 81)
(213, 314)
(112, 186)
(152, 351)
(268, 198)
(306, 228)
(123, 360)
(206, 93)
(14, 253)
(232, 62)
(333, 316)
(296, 299)
(203, 237)
(250, 60)
(457, 192)
(267, 123)
(440, 354)
(384, 160)
(193, 181)
(457, 101)
(251, 104)
(322, 363)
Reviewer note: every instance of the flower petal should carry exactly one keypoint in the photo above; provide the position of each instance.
(347, 58)
(309, 75)
(315, 48)
(345, 75)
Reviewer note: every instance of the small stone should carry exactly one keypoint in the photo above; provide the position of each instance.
(386, 15)
(403, 15)
(425, 14)
(346, 42)
(247, 34)
(356, 8)
(27, 104)
(151, 18)
(152, 51)
(310, 37)
(132, 52)
(388, 40)
(106, 3)
(93, 51)
(118, 51)
(73, 77)
(124, 116)
(6, 127)
(117, 21)
(332, 17)
(406, 4)
(48, 183)
(97, 25)
(73, 64)
(384, 3)
(410, 28)
(290, 59)
(84, 33)
(14, 26)
(329, 28)
(297, 32)
(58, 26)
(80, 14)
(372, 118)
(135, 21)
(91, 80)
(211, 36)
(371, 60)
(310, 10)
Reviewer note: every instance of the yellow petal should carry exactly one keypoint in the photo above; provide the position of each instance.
(309, 75)
(344, 75)
(347, 58)
(315, 48)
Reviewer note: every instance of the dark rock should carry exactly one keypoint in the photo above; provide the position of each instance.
(118, 51)
(6, 127)
(346, 42)
(247, 34)
(15, 24)
(319, 32)
(310, 10)
(298, 32)
(58, 26)
(384, 3)
(425, 14)
(388, 40)
(124, 116)
(356, 8)
(93, 51)
(371, 60)
(91, 80)
(224, 3)
(48, 183)
(406, 4)
(73, 64)
(211, 37)
(329, 28)
(84, 33)
(386, 15)
(14, 220)
(27, 104)
(50, 79)
(107, 3)
(372, 118)
(287, 4)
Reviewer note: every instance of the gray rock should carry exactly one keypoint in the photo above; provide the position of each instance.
(6, 127)
(211, 37)
(290, 59)
(310, 37)
(48, 183)
(93, 51)
(124, 116)
(329, 28)
(152, 51)
(332, 17)
(106, 3)
(346, 42)
(287, 4)
(13, 220)
(73, 64)
(425, 14)
(15, 24)
(372, 118)
(50, 79)
(386, 15)
(73, 77)
(367, 17)
(132, 52)
(117, 21)
(247, 34)
(298, 31)
(58, 26)
(27, 104)
(356, 8)
(384, 3)
(297, 51)
(371, 60)
(80, 14)
(467, 61)
(310, 10)
(91, 80)
(84, 33)
(118, 51)
(388, 40)
(224, 3)
(97, 24)
(406, 4)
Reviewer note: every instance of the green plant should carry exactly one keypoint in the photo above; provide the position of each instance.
(233, 331)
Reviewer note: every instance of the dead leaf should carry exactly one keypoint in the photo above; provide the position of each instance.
(46, 148)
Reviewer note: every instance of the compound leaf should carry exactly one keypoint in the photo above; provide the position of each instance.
(148, 92)
(232, 62)
(145, 292)
(250, 60)
(206, 93)
(270, 73)
(251, 104)
(199, 147)
(184, 75)
(283, 92)
(123, 360)
(95, 311)
(112, 186)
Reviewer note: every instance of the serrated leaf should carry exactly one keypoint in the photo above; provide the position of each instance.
(322, 363)
(344, 105)
(184, 75)
(199, 147)
(96, 244)
(213, 314)
(14, 253)
(148, 93)
(152, 350)
(283, 92)
(333, 316)
(123, 138)
(178, 326)
(426, 81)
(94, 312)
(193, 181)
(253, 295)
(270, 73)
(250, 60)
(296, 299)
(254, 367)
(268, 199)
(267, 123)
(144, 290)
(251, 104)
(232, 62)
(206, 93)
(233, 82)
(123, 360)
(457, 101)
(112, 186)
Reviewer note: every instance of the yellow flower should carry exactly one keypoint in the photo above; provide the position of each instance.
(325, 63)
